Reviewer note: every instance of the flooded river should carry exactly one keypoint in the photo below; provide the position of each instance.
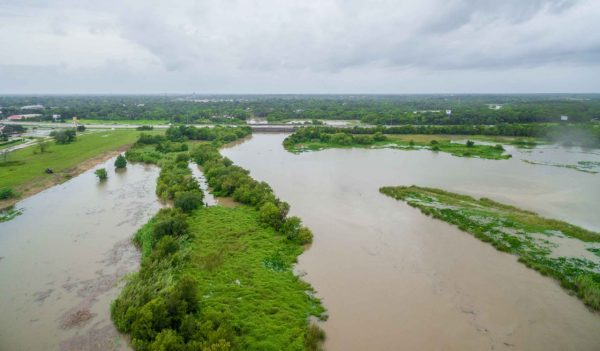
(394, 279)
(62, 260)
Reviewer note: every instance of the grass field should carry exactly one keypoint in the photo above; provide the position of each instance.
(245, 270)
(545, 245)
(24, 169)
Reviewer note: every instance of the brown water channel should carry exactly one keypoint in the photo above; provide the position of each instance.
(62, 260)
(394, 279)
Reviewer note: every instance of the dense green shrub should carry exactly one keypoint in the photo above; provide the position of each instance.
(7, 193)
(64, 136)
(169, 146)
(175, 177)
(101, 174)
(149, 139)
(120, 162)
(219, 135)
(169, 222)
(187, 201)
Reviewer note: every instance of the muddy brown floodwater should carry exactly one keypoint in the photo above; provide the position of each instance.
(394, 279)
(64, 257)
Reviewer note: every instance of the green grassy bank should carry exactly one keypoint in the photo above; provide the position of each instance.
(532, 238)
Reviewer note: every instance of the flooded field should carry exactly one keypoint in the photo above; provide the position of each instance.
(62, 260)
(393, 278)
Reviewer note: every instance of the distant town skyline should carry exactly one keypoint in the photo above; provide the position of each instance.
(327, 47)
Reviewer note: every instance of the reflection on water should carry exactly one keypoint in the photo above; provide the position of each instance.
(209, 199)
(393, 278)
(63, 259)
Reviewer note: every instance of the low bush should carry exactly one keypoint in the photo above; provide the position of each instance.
(188, 201)
(7, 193)
(64, 136)
(101, 174)
(169, 222)
(120, 162)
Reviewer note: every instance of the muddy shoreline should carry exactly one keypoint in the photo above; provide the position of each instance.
(67, 256)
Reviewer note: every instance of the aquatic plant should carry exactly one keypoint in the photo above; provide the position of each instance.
(120, 162)
(101, 174)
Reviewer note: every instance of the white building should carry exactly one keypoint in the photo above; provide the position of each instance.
(449, 112)
(564, 118)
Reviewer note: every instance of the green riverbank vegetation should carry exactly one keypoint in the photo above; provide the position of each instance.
(312, 139)
(216, 278)
(534, 239)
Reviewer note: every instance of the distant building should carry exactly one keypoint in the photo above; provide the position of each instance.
(449, 112)
(33, 107)
(494, 106)
(21, 117)
(564, 118)
(55, 117)
(427, 111)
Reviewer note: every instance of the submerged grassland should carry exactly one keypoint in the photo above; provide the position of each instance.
(22, 172)
(314, 139)
(216, 278)
(558, 249)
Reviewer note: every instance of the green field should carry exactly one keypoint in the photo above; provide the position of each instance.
(537, 241)
(245, 270)
(24, 168)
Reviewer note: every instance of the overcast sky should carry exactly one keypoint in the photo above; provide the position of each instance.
(304, 46)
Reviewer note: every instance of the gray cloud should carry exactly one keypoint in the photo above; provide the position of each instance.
(223, 44)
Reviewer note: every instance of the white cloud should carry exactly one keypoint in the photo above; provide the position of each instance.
(228, 45)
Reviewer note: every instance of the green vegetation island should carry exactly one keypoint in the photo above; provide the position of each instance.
(215, 278)
(537, 241)
(319, 138)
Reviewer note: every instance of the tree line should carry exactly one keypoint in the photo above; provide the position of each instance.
(372, 109)
(576, 134)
